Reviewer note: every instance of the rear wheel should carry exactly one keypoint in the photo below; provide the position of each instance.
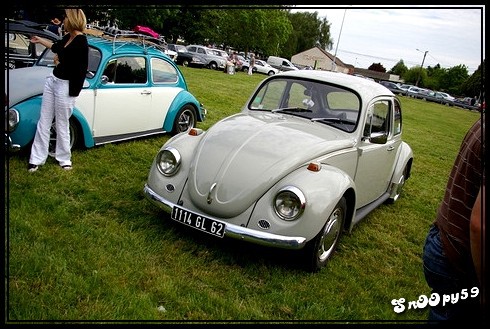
(185, 120)
(319, 250)
(53, 134)
(399, 187)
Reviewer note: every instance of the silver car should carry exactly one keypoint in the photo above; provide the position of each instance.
(213, 61)
(309, 156)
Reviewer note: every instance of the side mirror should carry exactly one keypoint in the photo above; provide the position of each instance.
(379, 138)
(104, 79)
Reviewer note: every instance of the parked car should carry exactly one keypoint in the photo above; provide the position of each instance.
(213, 61)
(131, 90)
(437, 97)
(220, 52)
(310, 154)
(177, 48)
(281, 64)
(415, 92)
(393, 87)
(264, 68)
(19, 50)
(186, 58)
(405, 87)
(447, 97)
(467, 103)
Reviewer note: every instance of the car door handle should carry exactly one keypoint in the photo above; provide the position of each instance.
(146, 92)
(390, 148)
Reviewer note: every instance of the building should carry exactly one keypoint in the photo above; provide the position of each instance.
(319, 59)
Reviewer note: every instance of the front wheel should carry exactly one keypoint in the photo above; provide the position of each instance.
(319, 250)
(213, 66)
(185, 120)
(53, 135)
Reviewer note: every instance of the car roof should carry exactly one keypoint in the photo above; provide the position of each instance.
(364, 87)
(127, 44)
(29, 27)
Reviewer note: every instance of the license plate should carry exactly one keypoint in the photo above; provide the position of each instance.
(198, 222)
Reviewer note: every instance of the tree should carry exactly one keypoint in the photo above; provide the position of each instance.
(377, 67)
(308, 31)
(306, 27)
(475, 84)
(325, 39)
(399, 69)
(454, 79)
(412, 74)
(435, 78)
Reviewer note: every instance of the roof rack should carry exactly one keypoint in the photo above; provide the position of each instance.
(127, 37)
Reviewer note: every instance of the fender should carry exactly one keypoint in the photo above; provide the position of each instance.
(186, 145)
(322, 190)
(88, 140)
(184, 97)
(29, 113)
(405, 155)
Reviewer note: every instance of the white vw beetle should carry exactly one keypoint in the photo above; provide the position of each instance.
(309, 155)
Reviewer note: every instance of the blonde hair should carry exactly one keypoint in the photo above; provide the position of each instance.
(75, 20)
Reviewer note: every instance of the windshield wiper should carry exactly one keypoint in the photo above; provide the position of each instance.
(333, 120)
(292, 109)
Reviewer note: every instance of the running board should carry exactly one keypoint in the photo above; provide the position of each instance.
(125, 137)
(364, 211)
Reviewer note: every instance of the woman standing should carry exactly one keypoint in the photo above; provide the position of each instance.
(61, 89)
(251, 64)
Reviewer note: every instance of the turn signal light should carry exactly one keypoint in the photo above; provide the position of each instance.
(195, 131)
(314, 166)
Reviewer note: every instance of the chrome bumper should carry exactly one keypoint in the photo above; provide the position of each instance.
(9, 146)
(236, 231)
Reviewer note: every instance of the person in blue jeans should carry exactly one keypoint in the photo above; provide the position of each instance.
(454, 247)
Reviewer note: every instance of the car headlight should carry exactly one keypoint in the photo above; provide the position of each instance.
(289, 203)
(13, 120)
(168, 161)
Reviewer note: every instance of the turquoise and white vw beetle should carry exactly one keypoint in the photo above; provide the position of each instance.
(310, 155)
(132, 89)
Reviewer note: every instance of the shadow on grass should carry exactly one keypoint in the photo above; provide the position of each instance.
(234, 252)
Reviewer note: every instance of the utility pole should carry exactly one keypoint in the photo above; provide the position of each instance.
(334, 66)
(421, 66)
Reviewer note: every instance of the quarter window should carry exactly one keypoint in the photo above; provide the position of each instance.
(162, 71)
(397, 129)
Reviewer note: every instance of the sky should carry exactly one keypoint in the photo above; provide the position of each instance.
(447, 35)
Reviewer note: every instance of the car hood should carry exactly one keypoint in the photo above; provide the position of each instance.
(243, 156)
(23, 83)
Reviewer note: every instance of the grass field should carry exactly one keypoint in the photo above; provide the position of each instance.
(85, 245)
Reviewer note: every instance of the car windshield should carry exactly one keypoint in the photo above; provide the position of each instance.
(94, 57)
(312, 100)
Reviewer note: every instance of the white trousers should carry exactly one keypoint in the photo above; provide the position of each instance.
(56, 104)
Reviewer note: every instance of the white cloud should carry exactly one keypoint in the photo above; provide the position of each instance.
(451, 35)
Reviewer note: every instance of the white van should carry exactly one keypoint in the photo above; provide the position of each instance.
(281, 64)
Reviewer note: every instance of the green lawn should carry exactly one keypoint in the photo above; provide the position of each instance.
(86, 245)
